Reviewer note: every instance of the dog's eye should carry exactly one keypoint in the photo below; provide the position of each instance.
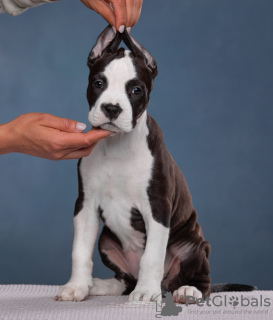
(98, 84)
(136, 91)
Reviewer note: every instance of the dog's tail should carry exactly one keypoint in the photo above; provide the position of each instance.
(223, 287)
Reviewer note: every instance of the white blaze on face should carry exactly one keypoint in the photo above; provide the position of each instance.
(117, 73)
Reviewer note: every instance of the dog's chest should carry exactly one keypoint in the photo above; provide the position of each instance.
(115, 178)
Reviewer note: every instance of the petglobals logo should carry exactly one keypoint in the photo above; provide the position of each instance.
(216, 304)
(224, 301)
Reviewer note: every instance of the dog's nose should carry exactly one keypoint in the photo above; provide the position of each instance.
(111, 111)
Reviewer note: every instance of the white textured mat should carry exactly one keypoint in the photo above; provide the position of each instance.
(36, 302)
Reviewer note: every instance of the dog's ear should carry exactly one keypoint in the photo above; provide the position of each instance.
(139, 51)
(108, 40)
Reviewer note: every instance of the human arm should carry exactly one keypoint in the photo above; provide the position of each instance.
(118, 13)
(15, 7)
(47, 136)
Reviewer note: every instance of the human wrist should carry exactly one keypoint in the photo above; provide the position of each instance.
(6, 144)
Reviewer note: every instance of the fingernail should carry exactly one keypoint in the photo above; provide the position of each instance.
(121, 29)
(113, 134)
(115, 30)
(15, 12)
(80, 126)
(128, 29)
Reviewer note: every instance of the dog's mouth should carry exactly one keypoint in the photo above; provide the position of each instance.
(110, 126)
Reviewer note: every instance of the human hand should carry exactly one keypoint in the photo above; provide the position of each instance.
(46, 136)
(123, 13)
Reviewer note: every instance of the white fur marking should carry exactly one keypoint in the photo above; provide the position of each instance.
(116, 176)
(107, 287)
(117, 73)
(86, 225)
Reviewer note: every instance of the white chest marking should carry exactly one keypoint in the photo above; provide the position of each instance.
(116, 176)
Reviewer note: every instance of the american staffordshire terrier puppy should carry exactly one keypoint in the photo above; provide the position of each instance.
(151, 238)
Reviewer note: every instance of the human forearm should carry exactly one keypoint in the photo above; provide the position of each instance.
(13, 7)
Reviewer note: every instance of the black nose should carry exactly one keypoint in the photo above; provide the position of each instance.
(111, 111)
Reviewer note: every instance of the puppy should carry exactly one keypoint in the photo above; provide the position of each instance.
(151, 238)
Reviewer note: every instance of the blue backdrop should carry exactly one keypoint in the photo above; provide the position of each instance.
(212, 98)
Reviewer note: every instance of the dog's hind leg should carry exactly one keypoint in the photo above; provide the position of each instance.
(188, 273)
(110, 287)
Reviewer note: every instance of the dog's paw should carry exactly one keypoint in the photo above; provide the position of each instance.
(73, 292)
(146, 294)
(179, 295)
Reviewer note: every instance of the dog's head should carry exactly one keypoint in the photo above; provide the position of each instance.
(120, 81)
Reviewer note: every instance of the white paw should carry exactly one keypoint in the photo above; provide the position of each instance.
(73, 292)
(146, 294)
(179, 296)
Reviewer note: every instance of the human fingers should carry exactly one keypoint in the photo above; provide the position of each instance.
(138, 6)
(80, 153)
(62, 124)
(103, 8)
(130, 11)
(83, 140)
(119, 7)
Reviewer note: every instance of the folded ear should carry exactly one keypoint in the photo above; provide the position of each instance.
(139, 51)
(108, 40)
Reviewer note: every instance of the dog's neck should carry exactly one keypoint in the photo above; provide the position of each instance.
(122, 143)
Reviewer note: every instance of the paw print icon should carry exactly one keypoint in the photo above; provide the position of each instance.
(234, 301)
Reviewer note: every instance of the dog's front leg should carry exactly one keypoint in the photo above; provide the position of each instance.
(151, 270)
(86, 225)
